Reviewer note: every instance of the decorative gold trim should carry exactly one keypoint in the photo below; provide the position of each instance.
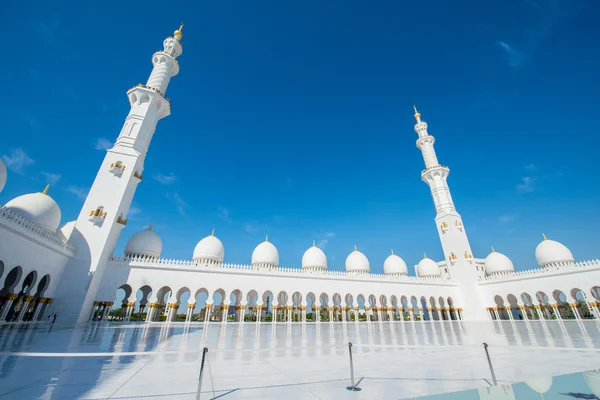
(121, 221)
(138, 175)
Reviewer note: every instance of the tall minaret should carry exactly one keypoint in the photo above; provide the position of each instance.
(104, 212)
(455, 244)
(449, 222)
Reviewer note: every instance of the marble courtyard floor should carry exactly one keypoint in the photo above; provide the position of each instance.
(393, 360)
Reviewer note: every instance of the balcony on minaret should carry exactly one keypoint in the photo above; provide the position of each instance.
(117, 168)
(97, 216)
(468, 255)
(121, 220)
(138, 175)
(444, 227)
(458, 225)
(453, 258)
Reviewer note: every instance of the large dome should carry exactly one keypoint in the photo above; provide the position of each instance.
(210, 249)
(357, 262)
(37, 207)
(3, 174)
(427, 268)
(498, 264)
(394, 265)
(145, 243)
(552, 254)
(314, 258)
(265, 255)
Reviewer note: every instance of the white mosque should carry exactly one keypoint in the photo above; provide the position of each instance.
(72, 269)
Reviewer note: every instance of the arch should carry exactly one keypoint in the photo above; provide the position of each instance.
(562, 304)
(324, 304)
(219, 301)
(252, 303)
(297, 307)
(424, 310)
(405, 315)
(311, 304)
(200, 301)
(12, 279)
(514, 311)
(372, 314)
(529, 306)
(443, 310)
(416, 314)
(500, 307)
(451, 309)
(581, 303)
(267, 306)
(596, 293)
(544, 302)
(28, 282)
(43, 285)
(435, 315)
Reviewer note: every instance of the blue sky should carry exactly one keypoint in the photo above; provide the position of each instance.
(295, 119)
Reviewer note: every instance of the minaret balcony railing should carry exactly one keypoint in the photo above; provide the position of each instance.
(139, 85)
(97, 216)
(121, 220)
(138, 175)
(117, 168)
(434, 167)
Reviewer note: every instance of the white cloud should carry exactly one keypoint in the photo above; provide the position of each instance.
(250, 228)
(79, 191)
(182, 206)
(531, 167)
(165, 179)
(133, 212)
(224, 214)
(527, 185)
(324, 239)
(515, 58)
(102, 144)
(17, 161)
(51, 178)
(506, 218)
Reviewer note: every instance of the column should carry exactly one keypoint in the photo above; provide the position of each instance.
(150, 312)
(330, 309)
(172, 307)
(190, 312)
(224, 313)
(594, 308)
(289, 314)
(38, 309)
(524, 313)
(510, 314)
(258, 313)
(107, 308)
(45, 309)
(356, 315)
(94, 311)
(460, 317)
(130, 308)
(24, 307)
(575, 311)
(304, 314)
(207, 311)
(317, 314)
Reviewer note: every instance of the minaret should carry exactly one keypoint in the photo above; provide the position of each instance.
(104, 212)
(449, 222)
(455, 244)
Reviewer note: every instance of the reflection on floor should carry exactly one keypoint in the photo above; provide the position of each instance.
(261, 361)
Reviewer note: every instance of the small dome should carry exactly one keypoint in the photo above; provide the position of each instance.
(66, 230)
(357, 262)
(428, 268)
(551, 253)
(265, 255)
(3, 174)
(209, 249)
(37, 207)
(314, 258)
(145, 243)
(394, 265)
(498, 263)
(540, 385)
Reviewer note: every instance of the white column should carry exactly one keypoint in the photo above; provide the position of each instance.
(38, 309)
(510, 314)
(24, 307)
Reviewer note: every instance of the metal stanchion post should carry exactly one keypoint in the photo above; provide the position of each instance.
(485, 346)
(201, 372)
(352, 387)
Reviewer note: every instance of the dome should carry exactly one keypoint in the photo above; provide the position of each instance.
(265, 255)
(498, 263)
(314, 258)
(209, 249)
(394, 265)
(540, 385)
(357, 262)
(145, 243)
(550, 253)
(3, 174)
(66, 230)
(428, 268)
(37, 207)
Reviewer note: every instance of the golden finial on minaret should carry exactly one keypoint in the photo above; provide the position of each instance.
(45, 191)
(213, 232)
(267, 239)
(417, 114)
(150, 227)
(314, 244)
(545, 238)
(178, 34)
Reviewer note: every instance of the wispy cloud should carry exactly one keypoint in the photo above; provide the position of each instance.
(79, 191)
(527, 185)
(506, 218)
(224, 214)
(133, 213)
(51, 178)
(250, 228)
(515, 58)
(324, 239)
(165, 179)
(102, 144)
(531, 167)
(17, 161)
(182, 205)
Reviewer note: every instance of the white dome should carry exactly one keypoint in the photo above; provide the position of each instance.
(37, 207)
(265, 255)
(144, 243)
(549, 252)
(210, 249)
(67, 230)
(498, 263)
(357, 262)
(3, 174)
(540, 385)
(428, 268)
(314, 258)
(394, 265)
